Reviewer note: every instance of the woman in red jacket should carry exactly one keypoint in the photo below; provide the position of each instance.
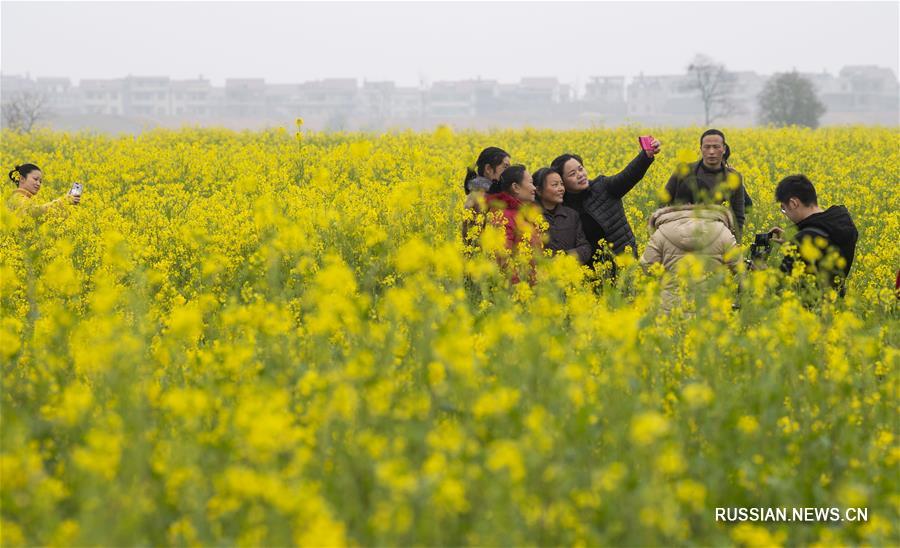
(490, 165)
(514, 209)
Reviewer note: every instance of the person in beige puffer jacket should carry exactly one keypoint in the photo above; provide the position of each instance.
(705, 231)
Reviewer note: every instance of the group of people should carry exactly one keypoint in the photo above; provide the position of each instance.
(585, 217)
(581, 213)
(703, 216)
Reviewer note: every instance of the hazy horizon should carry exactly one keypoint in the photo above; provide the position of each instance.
(416, 43)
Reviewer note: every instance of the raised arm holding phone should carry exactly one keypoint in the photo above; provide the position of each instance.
(28, 179)
(599, 201)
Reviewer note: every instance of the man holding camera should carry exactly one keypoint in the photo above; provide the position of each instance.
(825, 239)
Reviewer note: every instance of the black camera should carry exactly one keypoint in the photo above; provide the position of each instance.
(761, 247)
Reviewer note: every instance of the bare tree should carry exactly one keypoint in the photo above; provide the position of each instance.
(716, 86)
(24, 110)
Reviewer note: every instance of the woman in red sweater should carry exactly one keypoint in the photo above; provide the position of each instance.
(514, 209)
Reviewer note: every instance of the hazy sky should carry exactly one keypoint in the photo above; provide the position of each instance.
(408, 42)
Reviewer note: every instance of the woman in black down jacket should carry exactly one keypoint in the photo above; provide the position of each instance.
(599, 201)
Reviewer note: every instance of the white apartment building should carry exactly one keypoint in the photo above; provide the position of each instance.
(147, 96)
(858, 94)
(605, 95)
(190, 98)
(62, 98)
(103, 97)
(245, 97)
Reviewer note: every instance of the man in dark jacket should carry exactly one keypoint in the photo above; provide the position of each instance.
(711, 175)
(826, 239)
(599, 201)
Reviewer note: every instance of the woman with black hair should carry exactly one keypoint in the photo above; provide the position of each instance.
(28, 179)
(517, 192)
(489, 165)
(599, 201)
(565, 232)
(479, 181)
(513, 208)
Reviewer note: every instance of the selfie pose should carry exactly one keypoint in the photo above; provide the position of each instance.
(564, 232)
(28, 179)
(598, 201)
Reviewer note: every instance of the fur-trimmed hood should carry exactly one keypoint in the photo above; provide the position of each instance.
(692, 227)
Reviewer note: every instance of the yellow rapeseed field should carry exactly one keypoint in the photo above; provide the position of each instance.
(273, 338)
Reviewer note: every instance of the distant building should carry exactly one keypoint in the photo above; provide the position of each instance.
(103, 97)
(745, 91)
(282, 101)
(535, 93)
(670, 97)
(868, 88)
(457, 99)
(217, 103)
(191, 98)
(407, 103)
(245, 97)
(377, 100)
(858, 94)
(14, 84)
(333, 99)
(62, 98)
(146, 96)
(605, 96)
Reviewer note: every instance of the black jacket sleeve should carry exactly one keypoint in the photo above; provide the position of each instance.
(737, 206)
(619, 184)
(748, 201)
(787, 263)
(582, 246)
(671, 186)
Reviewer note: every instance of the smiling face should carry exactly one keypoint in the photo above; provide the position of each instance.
(553, 190)
(32, 182)
(525, 190)
(574, 177)
(712, 148)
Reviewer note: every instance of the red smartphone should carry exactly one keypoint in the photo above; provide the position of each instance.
(646, 142)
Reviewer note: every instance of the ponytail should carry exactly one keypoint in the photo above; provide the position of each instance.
(470, 175)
